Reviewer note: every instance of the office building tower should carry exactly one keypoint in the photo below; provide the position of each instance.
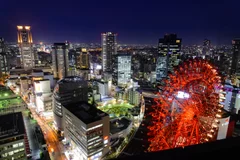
(235, 66)
(121, 70)
(87, 129)
(206, 47)
(25, 47)
(3, 58)
(67, 90)
(134, 96)
(169, 49)
(13, 138)
(82, 61)
(103, 88)
(60, 60)
(109, 49)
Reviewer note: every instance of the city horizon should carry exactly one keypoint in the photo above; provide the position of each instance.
(135, 22)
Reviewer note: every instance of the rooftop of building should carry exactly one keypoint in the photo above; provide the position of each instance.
(86, 112)
(122, 54)
(5, 92)
(70, 79)
(37, 70)
(48, 73)
(19, 71)
(23, 78)
(42, 80)
(11, 125)
(117, 125)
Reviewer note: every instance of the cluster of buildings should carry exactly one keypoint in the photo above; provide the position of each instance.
(71, 88)
(69, 91)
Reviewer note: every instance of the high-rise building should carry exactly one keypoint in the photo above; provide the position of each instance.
(67, 90)
(235, 66)
(121, 69)
(82, 61)
(206, 47)
(3, 58)
(13, 138)
(60, 60)
(169, 49)
(109, 49)
(25, 47)
(87, 129)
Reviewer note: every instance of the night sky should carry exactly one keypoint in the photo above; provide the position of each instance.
(135, 21)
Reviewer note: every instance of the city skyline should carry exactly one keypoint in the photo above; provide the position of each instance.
(135, 22)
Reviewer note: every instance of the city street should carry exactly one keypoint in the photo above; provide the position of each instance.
(33, 142)
(55, 147)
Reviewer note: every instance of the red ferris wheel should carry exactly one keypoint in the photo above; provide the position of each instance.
(188, 106)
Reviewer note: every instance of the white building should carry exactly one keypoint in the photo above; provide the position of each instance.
(122, 70)
(103, 88)
(43, 96)
(232, 98)
(87, 130)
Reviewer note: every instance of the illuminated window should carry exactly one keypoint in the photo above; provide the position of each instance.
(178, 41)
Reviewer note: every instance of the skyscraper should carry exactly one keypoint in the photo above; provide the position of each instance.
(169, 49)
(3, 58)
(60, 60)
(235, 67)
(82, 61)
(25, 47)
(109, 48)
(206, 47)
(121, 69)
(68, 90)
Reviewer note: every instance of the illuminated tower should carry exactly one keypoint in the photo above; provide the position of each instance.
(168, 55)
(25, 46)
(109, 48)
(60, 60)
(82, 58)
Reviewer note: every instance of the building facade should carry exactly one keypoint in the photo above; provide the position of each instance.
(235, 66)
(13, 139)
(43, 100)
(121, 69)
(169, 49)
(25, 47)
(109, 49)
(87, 129)
(3, 58)
(82, 57)
(67, 90)
(60, 60)
(206, 47)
